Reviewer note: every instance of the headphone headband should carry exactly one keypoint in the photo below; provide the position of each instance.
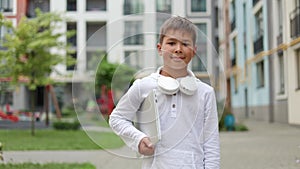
(169, 86)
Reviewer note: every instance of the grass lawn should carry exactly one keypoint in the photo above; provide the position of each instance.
(48, 166)
(58, 140)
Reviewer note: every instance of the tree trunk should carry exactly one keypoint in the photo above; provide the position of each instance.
(55, 102)
(47, 105)
(32, 100)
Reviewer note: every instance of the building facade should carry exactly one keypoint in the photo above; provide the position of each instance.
(263, 52)
(125, 30)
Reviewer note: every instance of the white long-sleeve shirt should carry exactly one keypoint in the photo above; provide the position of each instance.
(188, 123)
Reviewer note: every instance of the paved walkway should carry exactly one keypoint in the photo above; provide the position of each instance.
(265, 146)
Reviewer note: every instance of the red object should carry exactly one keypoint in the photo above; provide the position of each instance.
(12, 118)
(3, 115)
(110, 101)
(7, 108)
(105, 101)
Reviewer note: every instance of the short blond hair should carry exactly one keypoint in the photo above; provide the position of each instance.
(178, 23)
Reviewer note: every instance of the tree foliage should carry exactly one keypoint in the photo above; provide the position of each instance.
(33, 48)
(113, 75)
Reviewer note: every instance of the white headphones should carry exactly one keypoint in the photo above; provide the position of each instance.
(169, 85)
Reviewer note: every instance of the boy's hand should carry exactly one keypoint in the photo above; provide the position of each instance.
(146, 147)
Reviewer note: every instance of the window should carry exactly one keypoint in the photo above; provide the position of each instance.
(197, 63)
(133, 33)
(298, 68)
(232, 15)
(6, 6)
(164, 6)
(73, 42)
(279, 14)
(93, 59)
(260, 74)
(72, 67)
(245, 38)
(96, 34)
(71, 26)
(233, 51)
(198, 6)
(71, 5)
(95, 5)
(133, 7)
(297, 3)
(258, 45)
(281, 73)
(44, 6)
(134, 59)
(259, 24)
(3, 31)
(235, 80)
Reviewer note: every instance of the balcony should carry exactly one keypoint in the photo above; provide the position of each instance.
(259, 45)
(295, 22)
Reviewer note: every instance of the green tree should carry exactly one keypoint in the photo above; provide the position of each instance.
(113, 75)
(33, 48)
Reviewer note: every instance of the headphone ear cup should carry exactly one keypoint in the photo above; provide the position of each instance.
(188, 85)
(167, 85)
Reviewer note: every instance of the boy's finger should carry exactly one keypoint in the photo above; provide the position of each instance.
(148, 143)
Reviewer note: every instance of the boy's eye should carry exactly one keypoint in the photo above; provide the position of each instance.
(171, 43)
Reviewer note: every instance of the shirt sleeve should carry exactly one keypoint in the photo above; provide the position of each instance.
(211, 133)
(122, 117)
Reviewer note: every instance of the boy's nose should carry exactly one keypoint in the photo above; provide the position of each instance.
(178, 49)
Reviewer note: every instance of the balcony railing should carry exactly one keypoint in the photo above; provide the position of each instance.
(295, 22)
(258, 45)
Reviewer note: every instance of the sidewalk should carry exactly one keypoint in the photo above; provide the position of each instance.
(264, 146)
(99, 158)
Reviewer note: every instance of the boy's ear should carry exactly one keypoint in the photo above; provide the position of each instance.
(158, 46)
(195, 50)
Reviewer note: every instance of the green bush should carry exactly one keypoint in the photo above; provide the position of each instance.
(68, 111)
(240, 127)
(66, 125)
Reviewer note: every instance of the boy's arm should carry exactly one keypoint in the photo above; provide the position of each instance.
(121, 119)
(211, 134)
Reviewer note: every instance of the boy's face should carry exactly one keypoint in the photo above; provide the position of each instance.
(177, 49)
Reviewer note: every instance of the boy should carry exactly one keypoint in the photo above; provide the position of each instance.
(186, 106)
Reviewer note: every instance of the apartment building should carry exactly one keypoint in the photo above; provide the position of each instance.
(291, 53)
(127, 30)
(263, 52)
